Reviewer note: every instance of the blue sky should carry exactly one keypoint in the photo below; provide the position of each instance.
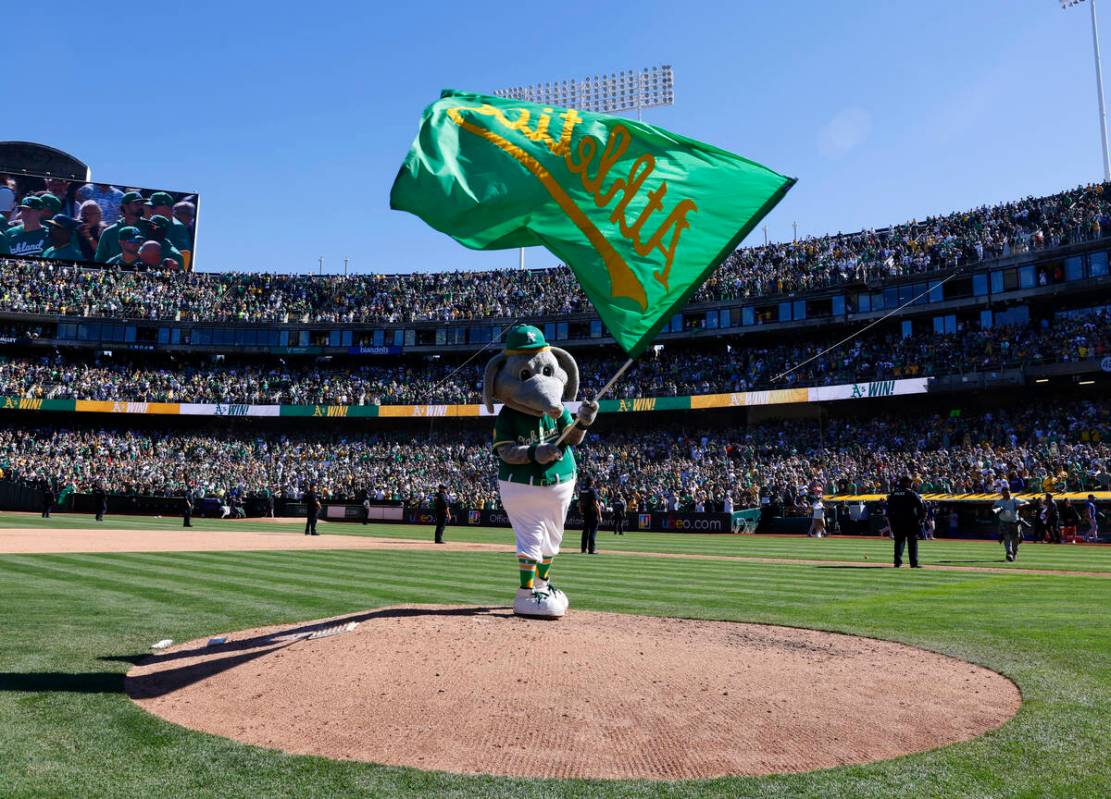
(291, 121)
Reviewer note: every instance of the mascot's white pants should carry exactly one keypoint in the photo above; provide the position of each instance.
(537, 514)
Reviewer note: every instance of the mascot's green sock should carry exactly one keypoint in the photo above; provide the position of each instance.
(527, 569)
(543, 567)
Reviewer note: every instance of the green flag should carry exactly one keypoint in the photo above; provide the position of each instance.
(642, 216)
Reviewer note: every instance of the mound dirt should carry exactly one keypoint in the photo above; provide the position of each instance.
(593, 695)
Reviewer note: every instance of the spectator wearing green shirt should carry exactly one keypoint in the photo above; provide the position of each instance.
(130, 240)
(162, 204)
(63, 239)
(29, 238)
(131, 210)
(157, 228)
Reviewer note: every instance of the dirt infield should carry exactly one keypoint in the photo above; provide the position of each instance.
(31, 541)
(594, 695)
(36, 541)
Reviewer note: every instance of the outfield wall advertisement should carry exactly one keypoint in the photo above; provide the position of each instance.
(740, 399)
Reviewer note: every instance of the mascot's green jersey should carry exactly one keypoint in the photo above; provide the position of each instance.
(514, 427)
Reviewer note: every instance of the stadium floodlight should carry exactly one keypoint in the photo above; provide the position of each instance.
(628, 90)
(1067, 4)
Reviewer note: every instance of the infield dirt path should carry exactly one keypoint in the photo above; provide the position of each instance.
(34, 541)
(593, 695)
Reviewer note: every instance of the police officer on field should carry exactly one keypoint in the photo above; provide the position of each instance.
(312, 510)
(588, 506)
(619, 509)
(905, 514)
(187, 509)
(48, 499)
(441, 508)
(100, 502)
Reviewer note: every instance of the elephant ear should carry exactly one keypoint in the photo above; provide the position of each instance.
(568, 365)
(493, 366)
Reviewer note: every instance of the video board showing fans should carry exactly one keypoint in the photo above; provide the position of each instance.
(108, 224)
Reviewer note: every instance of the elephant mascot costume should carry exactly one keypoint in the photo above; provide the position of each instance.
(536, 478)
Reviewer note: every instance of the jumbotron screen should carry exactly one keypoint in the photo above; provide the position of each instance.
(109, 224)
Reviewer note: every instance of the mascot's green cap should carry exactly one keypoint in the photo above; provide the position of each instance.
(524, 338)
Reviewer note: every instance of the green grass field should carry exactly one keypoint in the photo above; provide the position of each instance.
(70, 626)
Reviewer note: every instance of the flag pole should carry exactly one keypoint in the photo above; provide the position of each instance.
(604, 390)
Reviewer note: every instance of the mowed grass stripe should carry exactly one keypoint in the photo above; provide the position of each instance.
(269, 590)
(113, 574)
(369, 580)
(160, 593)
(942, 551)
(660, 573)
(708, 585)
(360, 567)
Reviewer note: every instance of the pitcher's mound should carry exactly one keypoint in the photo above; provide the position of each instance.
(476, 690)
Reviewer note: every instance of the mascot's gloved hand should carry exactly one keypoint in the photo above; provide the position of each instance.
(588, 409)
(546, 453)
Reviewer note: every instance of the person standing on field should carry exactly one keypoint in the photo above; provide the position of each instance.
(441, 508)
(1091, 516)
(619, 509)
(312, 511)
(905, 514)
(1051, 518)
(1010, 525)
(588, 507)
(817, 518)
(100, 502)
(48, 500)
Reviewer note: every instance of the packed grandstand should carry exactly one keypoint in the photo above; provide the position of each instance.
(1013, 300)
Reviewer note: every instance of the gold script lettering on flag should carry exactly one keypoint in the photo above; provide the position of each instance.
(640, 215)
(623, 281)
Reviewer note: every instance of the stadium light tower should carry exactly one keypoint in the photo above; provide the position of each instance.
(628, 90)
(1066, 4)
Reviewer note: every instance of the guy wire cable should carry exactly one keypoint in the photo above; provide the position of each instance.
(869, 326)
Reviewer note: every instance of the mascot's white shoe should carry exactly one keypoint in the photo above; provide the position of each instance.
(544, 587)
(536, 604)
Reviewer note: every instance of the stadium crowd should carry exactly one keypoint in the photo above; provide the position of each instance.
(914, 247)
(663, 468)
(672, 371)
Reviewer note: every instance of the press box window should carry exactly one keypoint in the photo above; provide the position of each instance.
(1074, 268)
(1027, 277)
(945, 324)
